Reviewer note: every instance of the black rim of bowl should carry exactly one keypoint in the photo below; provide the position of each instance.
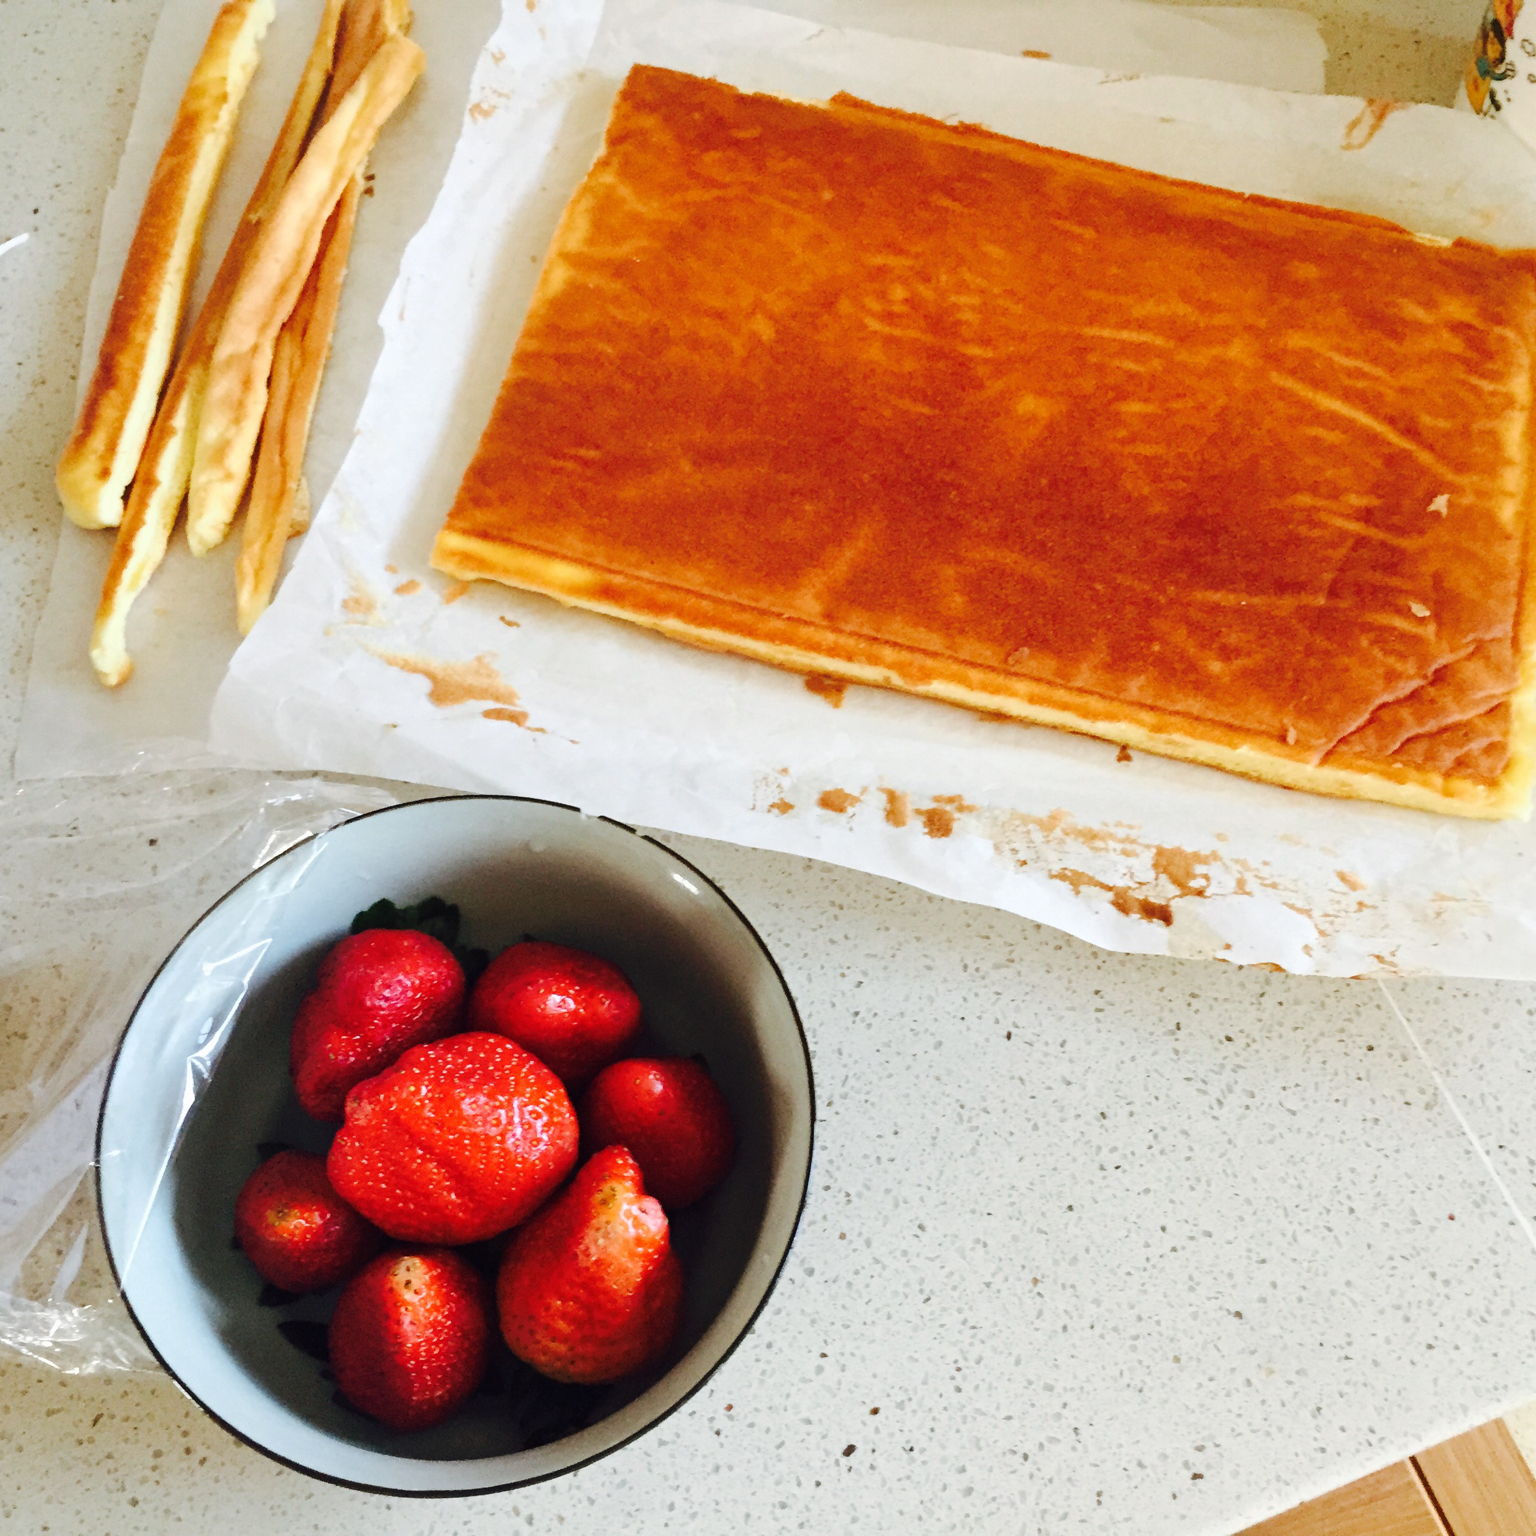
(666, 1413)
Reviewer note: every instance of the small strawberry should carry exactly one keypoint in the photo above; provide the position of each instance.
(590, 1289)
(673, 1119)
(298, 1232)
(457, 1141)
(378, 993)
(573, 1010)
(411, 1337)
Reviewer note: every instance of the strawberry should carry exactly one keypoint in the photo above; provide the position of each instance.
(590, 1289)
(573, 1010)
(410, 1339)
(298, 1232)
(378, 993)
(673, 1119)
(457, 1141)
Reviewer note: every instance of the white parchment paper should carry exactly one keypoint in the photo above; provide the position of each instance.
(182, 633)
(372, 663)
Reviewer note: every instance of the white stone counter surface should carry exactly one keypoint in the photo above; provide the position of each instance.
(1094, 1243)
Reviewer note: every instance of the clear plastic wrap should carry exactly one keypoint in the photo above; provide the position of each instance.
(101, 878)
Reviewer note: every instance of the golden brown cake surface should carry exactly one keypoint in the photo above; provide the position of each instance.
(874, 396)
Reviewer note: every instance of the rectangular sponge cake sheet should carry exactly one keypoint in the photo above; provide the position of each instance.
(859, 393)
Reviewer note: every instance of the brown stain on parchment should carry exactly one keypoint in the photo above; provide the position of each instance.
(454, 591)
(1121, 897)
(1124, 754)
(1078, 878)
(1034, 53)
(1141, 906)
(515, 716)
(1173, 873)
(1183, 869)
(1059, 827)
(456, 682)
(831, 689)
(501, 618)
(1348, 881)
(937, 820)
(769, 792)
(481, 110)
(360, 605)
(1160, 875)
(1366, 123)
(408, 589)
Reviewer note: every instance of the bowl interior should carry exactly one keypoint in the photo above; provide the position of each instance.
(201, 1082)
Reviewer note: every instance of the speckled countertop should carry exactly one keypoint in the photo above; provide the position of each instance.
(1094, 1243)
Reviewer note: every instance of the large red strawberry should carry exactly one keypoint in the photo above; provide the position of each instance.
(379, 993)
(572, 1009)
(298, 1232)
(673, 1119)
(411, 1337)
(590, 1289)
(457, 1141)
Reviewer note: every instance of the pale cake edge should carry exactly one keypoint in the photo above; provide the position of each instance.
(470, 558)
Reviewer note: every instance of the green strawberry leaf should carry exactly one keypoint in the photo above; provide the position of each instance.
(474, 962)
(434, 917)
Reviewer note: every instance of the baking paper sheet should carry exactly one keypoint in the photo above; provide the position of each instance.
(1280, 49)
(370, 662)
(182, 632)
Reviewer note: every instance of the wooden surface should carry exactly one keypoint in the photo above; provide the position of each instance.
(1391, 1502)
(1481, 1483)
(1475, 1485)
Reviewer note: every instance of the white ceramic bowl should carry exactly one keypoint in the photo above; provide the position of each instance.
(201, 1078)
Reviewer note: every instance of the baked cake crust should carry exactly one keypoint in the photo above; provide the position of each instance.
(864, 394)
